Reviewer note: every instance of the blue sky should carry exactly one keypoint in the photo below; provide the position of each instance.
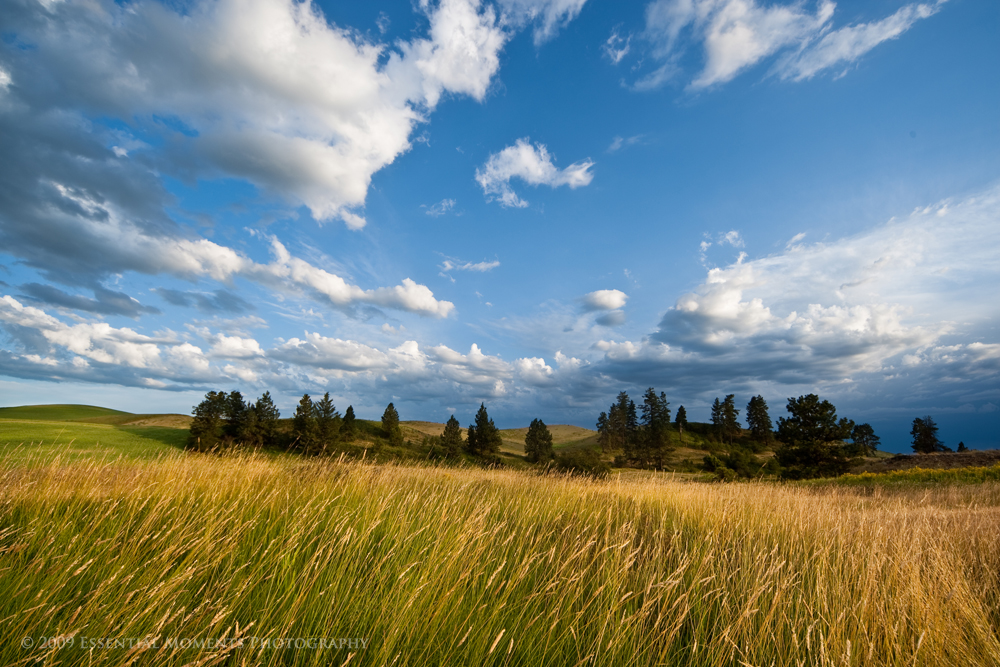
(531, 203)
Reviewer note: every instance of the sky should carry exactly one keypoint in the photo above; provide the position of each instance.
(534, 204)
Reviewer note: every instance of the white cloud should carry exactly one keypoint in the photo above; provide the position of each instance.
(847, 44)
(534, 371)
(533, 165)
(235, 347)
(5, 79)
(549, 16)
(440, 208)
(274, 93)
(617, 47)
(452, 264)
(737, 34)
(605, 299)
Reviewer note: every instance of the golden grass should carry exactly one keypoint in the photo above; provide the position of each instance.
(436, 566)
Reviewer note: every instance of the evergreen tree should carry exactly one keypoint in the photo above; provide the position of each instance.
(451, 439)
(267, 420)
(250, 434)
(717, 418)
(390, 425)
(924, 433)
(327, 421)
(729, 418)
(654, 439)
(681, 420)
(471, 441)
(962, 447)
(349, 428)
(484, 436)
(865, 442)
(538, 442)
(758, 419)
(604, 432)
(235, 416)
(812, 439)
(207, 426)
(304, 429)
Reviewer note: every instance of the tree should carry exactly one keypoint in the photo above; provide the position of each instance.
(924, 433)
(812, 439)
(538, 442)
(655, 429)
(304, 428)
(717, 415)
(730, 418)
(483, 436)
(236, 416)
(604, 432)
(267, 419)
(865, 442)
(327, 421)
(758, 419)
(451, 439)
(681, 420)
(390, 425)
(962, 447)
(349, 428)
(206, 427)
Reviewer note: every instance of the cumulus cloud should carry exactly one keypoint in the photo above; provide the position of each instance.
(270, 91)
(605, 299)
(737, 34)
(532, 164)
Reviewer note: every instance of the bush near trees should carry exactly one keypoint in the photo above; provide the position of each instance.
(538, 442)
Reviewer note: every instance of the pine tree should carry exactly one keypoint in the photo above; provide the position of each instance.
(864, 441)
(390, 425)
(812, 439)
(758, 419)
(250, 434)
(327, 421)
(654, 439)
(681, 420)
(924, 433)
(604, 431)
(962, 447)
(349, 428)
(538, 442)
(451, 439)
(484, 436)
(235, 416)
(717, 418)
(267, 420)
(206, 427)
(729, 415)
(304, 429)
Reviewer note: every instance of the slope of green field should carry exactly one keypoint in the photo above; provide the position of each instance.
(74, 413)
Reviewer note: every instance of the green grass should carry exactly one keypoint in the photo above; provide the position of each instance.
(74, 440)
(62, 413)
(917, 477)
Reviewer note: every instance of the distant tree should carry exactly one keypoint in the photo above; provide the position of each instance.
(655, 436)
(681, 420)
(730, 418)
(305, 431)
(717, 413)
(538, 442)
(483, 436)
(349, 428)
(604, 432)
(207, 426)
(250, 433)
(864, 441)
(390, 425)
(327, 421)
(812, 439)
(962, 447)
(924, 433)
(758, 419)
(235, 416)
(451, 439)
(267, 419)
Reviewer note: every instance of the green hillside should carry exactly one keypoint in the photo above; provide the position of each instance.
(61, 413)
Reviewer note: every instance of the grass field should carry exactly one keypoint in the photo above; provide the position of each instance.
(435, 566)
(82, 431)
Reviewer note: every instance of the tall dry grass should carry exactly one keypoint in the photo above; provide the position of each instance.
(435, 566)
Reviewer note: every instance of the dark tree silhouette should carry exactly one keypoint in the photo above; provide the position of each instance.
(924, 433)
(390, 425)
(538, 442)
(812, 439)
(758, 419)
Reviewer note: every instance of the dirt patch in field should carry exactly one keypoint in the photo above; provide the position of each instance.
(941, 461)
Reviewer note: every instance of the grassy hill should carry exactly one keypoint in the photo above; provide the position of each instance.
(83, 431)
